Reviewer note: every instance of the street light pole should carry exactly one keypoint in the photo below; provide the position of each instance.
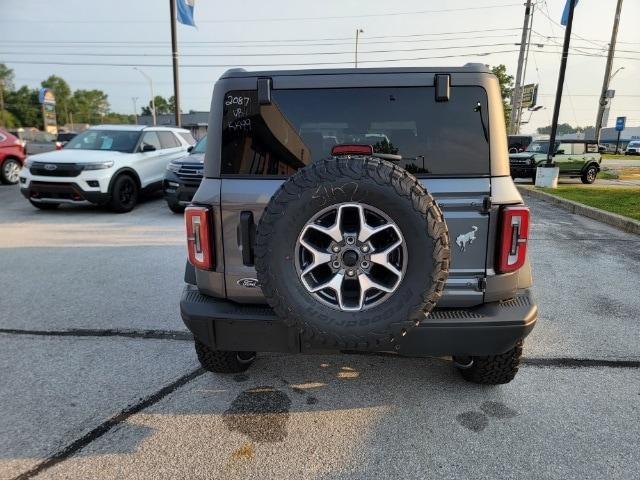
(174, 54)
(607, 71)
(358, 32)
(153, 96)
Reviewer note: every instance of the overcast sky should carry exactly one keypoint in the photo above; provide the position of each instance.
(257, 32)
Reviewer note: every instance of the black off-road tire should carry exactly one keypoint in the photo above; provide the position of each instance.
(175, 207)
(124, 194)
(369, 181)
(494, 369)
(589, 175)
(44, 206)
(217, 361)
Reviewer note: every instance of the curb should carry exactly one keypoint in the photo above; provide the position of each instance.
(618, 221)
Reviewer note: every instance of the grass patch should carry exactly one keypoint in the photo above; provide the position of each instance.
(608, 175)
(613, 156)
(621, 200)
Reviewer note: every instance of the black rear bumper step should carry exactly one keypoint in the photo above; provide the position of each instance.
(484, 330)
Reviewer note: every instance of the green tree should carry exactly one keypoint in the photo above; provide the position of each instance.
(63, 96)
(89, 106)
(563, 129)
(506, 87)
(6, 77)
(162, 106)
(24, 106)
(117, 118)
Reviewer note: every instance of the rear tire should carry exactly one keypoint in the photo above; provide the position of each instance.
(175, 207)
(493, 369)
(124, 194)
(217, 361)
(44, 206)
(589, 175)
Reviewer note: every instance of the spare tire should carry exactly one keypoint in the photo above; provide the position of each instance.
(354, 251)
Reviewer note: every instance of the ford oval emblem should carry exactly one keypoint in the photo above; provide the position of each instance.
(50, 166)
(248, 282)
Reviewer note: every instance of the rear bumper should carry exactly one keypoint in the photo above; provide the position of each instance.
(523, 171)
(488, 329)
(177, 191)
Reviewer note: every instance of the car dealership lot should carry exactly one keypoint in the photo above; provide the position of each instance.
(100, 378)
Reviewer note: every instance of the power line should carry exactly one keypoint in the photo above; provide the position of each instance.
(475, 54)
(272, 19)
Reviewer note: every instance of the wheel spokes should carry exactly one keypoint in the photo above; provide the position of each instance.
(319, 257)
(366, 231)
(382, 258)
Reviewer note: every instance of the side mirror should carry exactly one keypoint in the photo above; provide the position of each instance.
(148, 148)
(190, 148)
(559, 152)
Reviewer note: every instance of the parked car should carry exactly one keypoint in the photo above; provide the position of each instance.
(348, 249)
(104, 165)
(183, 177)
(63, 137)
(11, 157)
(519, 143)
(575, 159)
(633, 148)
(40, 142)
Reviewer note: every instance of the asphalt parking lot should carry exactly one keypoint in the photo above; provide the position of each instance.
(99, 377)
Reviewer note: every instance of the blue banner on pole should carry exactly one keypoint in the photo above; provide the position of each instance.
(620, 123)
(565, 12)
(184, 12)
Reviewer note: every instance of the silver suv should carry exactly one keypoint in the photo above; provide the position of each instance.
(339, 210)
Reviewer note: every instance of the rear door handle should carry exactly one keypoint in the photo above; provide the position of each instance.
(247, 234)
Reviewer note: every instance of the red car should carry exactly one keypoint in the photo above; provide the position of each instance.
(11, 157)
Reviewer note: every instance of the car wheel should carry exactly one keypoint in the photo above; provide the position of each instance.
(175, 207)
(589, 175)
(10, 171)
(491, 369)
(124, 194)
(352, 251)
(223, 362)
(44, 206)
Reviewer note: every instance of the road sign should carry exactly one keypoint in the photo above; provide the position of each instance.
(48, 101)
(529, 95)
(620, 122)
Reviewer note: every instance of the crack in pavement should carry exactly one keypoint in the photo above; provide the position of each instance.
(77, 445)
(81, 332)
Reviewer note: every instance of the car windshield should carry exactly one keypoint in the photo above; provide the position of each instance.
(201, 146)
(538, 147)
(111, 140)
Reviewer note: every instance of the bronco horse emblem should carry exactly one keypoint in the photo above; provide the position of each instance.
(466, 238)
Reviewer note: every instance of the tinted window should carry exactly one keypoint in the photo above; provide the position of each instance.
(121, 141)
(301, 126)
(151, 138)
(168, 140)
(187, 137)
(564, 149)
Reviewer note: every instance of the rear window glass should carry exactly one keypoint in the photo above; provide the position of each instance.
(301, 126)
(187, 137)
(168, 140)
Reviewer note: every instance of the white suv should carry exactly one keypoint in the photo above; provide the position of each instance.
(105, 165)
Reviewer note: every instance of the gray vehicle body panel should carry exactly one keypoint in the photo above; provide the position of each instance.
(468, 203)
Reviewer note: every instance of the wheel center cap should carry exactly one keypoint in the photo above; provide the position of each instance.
(350, 258)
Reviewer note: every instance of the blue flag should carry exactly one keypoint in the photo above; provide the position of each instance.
(565, 12)
(185, 12)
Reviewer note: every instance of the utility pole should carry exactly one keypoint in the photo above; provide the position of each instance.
(524, 72)
(135, 108)
(563, 68)
(174, 54)
(358, 32)
(516, 94)
(1, 103)
(607, 71)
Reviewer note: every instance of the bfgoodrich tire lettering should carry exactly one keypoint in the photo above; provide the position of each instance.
(367, 181)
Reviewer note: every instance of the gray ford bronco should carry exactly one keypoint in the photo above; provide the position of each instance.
(367, 210)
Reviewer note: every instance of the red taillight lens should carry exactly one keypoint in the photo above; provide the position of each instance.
(198, 239)
(58, 146)
(513, 238)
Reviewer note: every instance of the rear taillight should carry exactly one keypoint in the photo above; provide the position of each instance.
(513, 238)
(58, 145)
(198, 220)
